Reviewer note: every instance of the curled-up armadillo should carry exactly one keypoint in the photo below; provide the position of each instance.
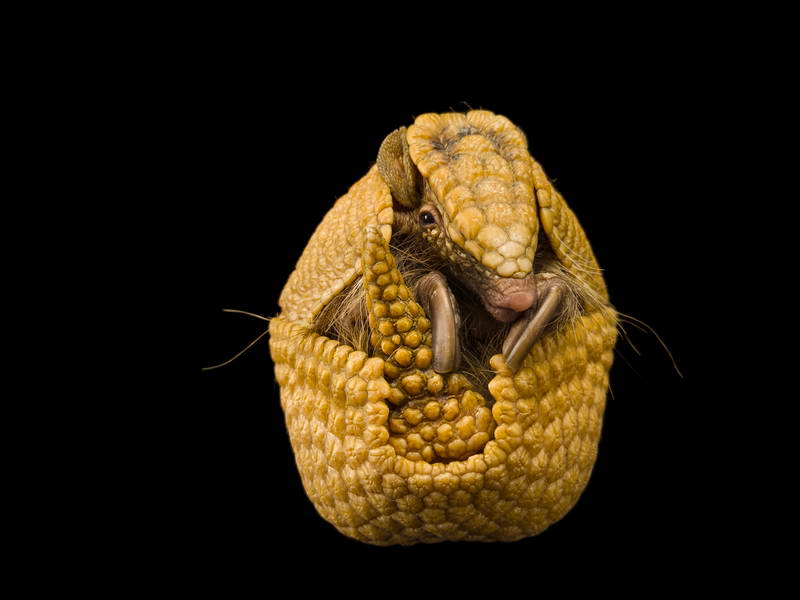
(444, 343)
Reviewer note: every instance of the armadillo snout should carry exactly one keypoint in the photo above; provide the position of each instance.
(519, 301)
(505, 299)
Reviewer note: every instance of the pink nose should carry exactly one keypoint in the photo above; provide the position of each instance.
(518, 301)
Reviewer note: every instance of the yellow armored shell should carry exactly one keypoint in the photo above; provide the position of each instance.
(391, 452)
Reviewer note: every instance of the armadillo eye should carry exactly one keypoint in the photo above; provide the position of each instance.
(426, 218)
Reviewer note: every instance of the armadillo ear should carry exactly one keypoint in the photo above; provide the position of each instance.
(398, 171)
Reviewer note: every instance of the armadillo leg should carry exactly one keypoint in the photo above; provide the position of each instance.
(399, 330)
(438, 301)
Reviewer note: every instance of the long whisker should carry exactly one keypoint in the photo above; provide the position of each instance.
(244, 312)
(634, 321)
(230, 360)
(250, 345)
(626, 337)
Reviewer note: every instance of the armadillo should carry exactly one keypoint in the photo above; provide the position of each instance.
(444, 343)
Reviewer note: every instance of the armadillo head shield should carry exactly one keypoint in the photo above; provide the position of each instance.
(478, 167)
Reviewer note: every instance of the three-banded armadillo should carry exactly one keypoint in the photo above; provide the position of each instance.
(444, 343)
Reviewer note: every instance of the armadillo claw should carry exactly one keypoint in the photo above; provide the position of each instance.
(527, 330)
(436, 298)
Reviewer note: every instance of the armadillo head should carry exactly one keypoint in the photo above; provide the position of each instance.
(465, 183)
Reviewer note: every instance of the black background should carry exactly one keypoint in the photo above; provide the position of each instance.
(633, 158)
